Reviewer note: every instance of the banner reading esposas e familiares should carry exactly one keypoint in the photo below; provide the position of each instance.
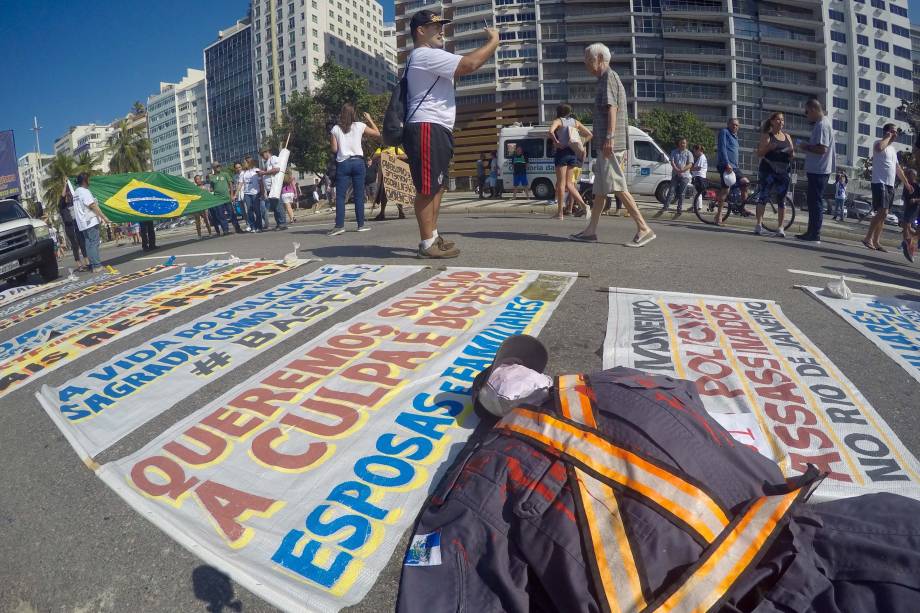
(26, 367)
(893, 324)
(67, 294)
(99, 407)
(78, 317)
(747, 358)
(300, 481)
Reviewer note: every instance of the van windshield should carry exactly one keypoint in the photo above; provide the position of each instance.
(11, 211)
(533, 147)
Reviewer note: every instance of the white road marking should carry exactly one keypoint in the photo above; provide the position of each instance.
(854, 280)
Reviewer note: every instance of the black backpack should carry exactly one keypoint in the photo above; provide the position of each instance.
(395, 119)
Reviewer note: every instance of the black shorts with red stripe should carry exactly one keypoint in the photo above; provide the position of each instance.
(429, 147)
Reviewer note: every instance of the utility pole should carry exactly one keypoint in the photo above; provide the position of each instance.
(36, 128)
(38, 170)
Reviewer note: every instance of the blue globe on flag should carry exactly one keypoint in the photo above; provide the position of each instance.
(150, 201)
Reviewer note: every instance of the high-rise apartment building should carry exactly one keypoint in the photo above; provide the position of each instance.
(231, 96)
(389, 51)
(32, 175)
(292, 38)
(92, 139)
(870, 72)
(177, 125)
(715, 58)
(915, 53)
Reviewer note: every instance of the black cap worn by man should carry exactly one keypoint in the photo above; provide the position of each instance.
(423, 18)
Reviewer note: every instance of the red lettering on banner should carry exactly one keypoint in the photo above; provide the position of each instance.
(263, 450)
(347, 417)
(405, 308)
(422, 338)
(401, 359)
(322, 360)
(454, 318)
(226, 505)
(286, 379)
(364, 400)
(709, 383)
(685, 331)
(823, 463)
(176, 484)
(214, 444)
(226, 421)
(789, 414)
(758, 362)
(351, 342)
(802, 437)
(257, 400)
(371, 372)
(370, 330)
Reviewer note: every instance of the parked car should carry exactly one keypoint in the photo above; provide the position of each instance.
(25, 244)
(859, 209)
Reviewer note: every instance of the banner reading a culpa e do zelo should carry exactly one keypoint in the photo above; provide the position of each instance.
(764, 380)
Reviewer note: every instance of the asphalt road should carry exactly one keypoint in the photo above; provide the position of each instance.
(68, 543)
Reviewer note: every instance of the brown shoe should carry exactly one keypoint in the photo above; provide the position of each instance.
(437, 252)
(445, 244)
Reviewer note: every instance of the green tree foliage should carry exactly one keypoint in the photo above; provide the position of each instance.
(61, 167)
(665, 127)
(129, 148)
(138, 108)
(309, 117)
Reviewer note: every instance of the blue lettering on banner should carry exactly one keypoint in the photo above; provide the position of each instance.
(393, 465)
(888, 323)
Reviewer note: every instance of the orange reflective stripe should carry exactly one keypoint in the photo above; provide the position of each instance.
(574, 400)
(681, 499)
(619, 577)
(725, 562)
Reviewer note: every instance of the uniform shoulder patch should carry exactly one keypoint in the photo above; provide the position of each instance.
(424, 550)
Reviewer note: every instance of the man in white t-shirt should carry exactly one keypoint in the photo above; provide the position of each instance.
(269, 174)
(431, 109)
(88, 216)
(885, 169)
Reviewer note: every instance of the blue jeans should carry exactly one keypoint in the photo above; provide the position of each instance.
(678, 187)
(351, 171)
(254, 216)
(814, 195)
(275, 206)
(838, 207)
(218, 219)
(91, 236)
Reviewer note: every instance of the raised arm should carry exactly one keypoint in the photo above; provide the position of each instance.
(474, 60)
(371, 129)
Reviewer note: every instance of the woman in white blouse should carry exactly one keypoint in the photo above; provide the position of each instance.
(345, 141)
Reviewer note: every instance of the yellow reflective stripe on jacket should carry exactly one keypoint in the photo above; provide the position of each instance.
(574, 401)
(681, 499)
(725, 562)
(616, 565)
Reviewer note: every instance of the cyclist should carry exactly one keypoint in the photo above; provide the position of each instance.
(776, 151)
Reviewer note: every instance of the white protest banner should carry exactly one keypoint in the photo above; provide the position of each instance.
(300, 481)
(54, 353)
(747, 358)
(81, 316)
(17, 293)
(99, 407)
(278, 179)
(893, 324)
(397, 180)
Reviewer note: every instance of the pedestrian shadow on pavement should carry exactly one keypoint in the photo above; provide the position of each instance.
(857, 252)
(696, 225)
(137, 252)
(368, 252)
(518, 236)
(873, 276)
(214, 588)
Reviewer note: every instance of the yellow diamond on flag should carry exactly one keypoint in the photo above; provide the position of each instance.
(139, 197)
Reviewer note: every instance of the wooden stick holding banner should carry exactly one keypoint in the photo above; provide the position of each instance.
(397, 181)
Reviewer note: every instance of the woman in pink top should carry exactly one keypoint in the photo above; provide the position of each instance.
(289, 192)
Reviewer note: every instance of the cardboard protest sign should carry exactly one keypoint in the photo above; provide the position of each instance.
(892, 324)
(99, 407)
(54, 352)
(748, 359)
(300, 481)
(397, 180)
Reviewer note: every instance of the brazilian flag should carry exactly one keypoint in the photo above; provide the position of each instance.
(141, 196)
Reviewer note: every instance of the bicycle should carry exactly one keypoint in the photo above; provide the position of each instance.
(734, 205)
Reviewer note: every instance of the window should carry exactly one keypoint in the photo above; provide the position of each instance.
(839, 58)
(838, 37)
(898, 10)
(864, 84)
(881, 45)
(903, 73)
(901, 52)
(863, 62)
(879, 4)
(864, 107)
(883, 88)
(904, 94)
(883, 66)
(862, 39)
(835, 15)
(840, 80)
(863, 152)
(646, 151)
(864, 129)
(900, 31)
(880, 24)
(533, 147)
(882, 110)
(841, 149)
(840, 125)
(861, 19)
(841, 103)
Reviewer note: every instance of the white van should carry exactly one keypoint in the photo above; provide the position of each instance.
(648, 170)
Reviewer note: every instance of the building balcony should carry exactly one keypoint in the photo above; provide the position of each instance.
(476, 81)
(785, 17)
(696, 76)
(691, 96)
(694, 52)
(693, 31)
(591, 33)
(793, 83)
(792, 39)
(691, 8)
(474, 11)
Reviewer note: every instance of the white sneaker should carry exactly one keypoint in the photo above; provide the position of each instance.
(779, 233)
(758, 230)
(364, 228)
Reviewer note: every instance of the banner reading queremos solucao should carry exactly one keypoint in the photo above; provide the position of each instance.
(67, 294)
(758, 374)
(99, 407)
(893, 324)
(300, 481)
(76, 318)
(27, 367)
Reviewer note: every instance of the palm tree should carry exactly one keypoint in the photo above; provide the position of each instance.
(129, 148)
(87, 163)
(138, 108)
(61, 168)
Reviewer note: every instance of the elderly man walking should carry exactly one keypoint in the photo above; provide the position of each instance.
(611, 134)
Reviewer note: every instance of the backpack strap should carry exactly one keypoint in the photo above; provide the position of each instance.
(406, 77)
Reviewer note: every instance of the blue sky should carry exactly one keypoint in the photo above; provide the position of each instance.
(83, 61)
